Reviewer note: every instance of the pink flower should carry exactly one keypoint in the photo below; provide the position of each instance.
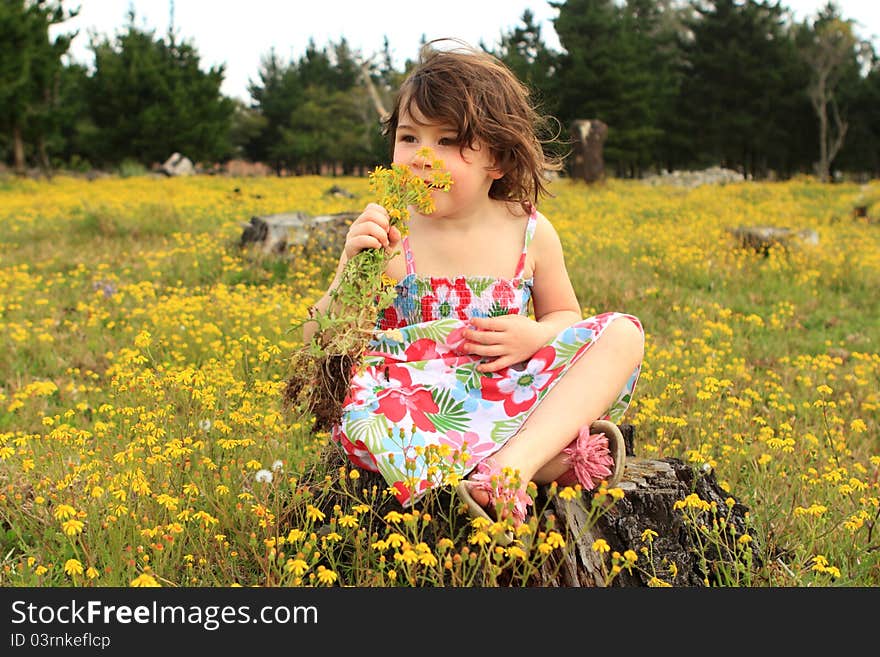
(589, 458)
(503, 294)
(468, 442)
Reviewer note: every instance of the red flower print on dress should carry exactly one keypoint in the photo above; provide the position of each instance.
(448, 300)
(517, 388)
(391, 319)
(404, 492)
(360, 456)
(402, 397)
(422, 349)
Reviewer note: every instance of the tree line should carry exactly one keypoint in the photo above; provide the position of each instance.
(681, 84)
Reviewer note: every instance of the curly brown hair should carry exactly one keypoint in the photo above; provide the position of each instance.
(483, 99)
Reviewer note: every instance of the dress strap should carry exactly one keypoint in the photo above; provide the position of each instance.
(408, 256)
(530, 233)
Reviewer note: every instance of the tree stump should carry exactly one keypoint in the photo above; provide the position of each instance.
(651, 489)
(762, 238)
(588, 140)
(273, 234)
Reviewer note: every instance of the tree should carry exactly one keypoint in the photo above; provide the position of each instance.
(317, 111)
(861, 152)
(648, 47)
(73, 131)
(736, 84)
(830, 50)
(149, 98)
(613, 69)
(30, 66)
(247, 125)
(276, 95)
(661, 24)
(524, 51)
(328, 129)
(587, 77)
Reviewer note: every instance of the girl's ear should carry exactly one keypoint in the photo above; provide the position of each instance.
(496, 174)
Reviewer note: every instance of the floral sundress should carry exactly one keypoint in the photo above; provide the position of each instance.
(417, 388)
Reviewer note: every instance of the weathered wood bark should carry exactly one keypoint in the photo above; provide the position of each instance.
(588, 141)
(651, 489)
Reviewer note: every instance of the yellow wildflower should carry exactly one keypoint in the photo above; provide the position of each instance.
(326, 576)
(145, 580)
(72, 527)
(314, 514)
(296, 566)
(393, 516)
(73, 567)
(568, 493)
(64, 511)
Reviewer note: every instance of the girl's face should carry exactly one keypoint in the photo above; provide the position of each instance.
(471, 168)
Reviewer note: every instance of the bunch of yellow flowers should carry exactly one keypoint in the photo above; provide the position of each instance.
(322, 368)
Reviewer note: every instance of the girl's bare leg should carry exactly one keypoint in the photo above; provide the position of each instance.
(585, 392)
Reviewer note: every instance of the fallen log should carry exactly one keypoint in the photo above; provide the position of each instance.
(762, 238)
(273, 234)
(652, 487)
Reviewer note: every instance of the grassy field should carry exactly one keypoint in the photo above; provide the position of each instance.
(142, 439)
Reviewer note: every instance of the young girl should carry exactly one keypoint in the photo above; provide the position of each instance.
(457, 360)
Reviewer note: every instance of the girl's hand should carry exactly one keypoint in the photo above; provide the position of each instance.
(371, 230)
(508, 339)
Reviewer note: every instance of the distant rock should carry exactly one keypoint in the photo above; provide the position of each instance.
(691, 179)
(178, 165)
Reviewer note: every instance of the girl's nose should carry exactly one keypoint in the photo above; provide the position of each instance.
(419, 161)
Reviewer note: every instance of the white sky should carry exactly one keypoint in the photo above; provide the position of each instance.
(238, 33)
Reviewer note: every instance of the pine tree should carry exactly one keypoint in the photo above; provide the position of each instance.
(150, 98)
(734, 85)
(30, 69)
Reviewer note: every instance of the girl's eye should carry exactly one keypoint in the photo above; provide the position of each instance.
(406, 138)
(447, 141)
